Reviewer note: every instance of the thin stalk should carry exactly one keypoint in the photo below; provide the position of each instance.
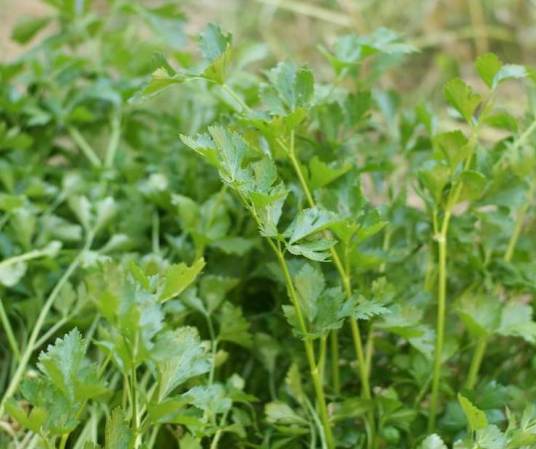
(356, 334)
(155, 237)
(335, 373)
(85, 147)
(34, 254)
(9, 332)
(478, 356)
(442, 243)
(113, 143)
(322, 357)
(236, 97)
(134, 405)
(520, 221)
(440, 327)
(63, 441)
(309, 350)
(30, 346)
(214, 348)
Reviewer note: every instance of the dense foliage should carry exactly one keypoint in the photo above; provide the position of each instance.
(202, 249)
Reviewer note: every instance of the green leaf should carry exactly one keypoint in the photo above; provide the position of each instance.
(480, 313)
(233, 326)
(509, 71)
(179, 356)
(487, 67)
(516, 321)
(322, 174)
(317, 250)
(454, 146)
(281, 413)
(462, 98)
(368, 309)
(476, 418)
(117, 433)
(434, 175)
(65, 365)
(216, 49)
(209, 398)
(178, 278)
(491, 438)
(294, 85)
(308, 222)
(27, 28)
(473, 185)
(213, 42)
(433, 441)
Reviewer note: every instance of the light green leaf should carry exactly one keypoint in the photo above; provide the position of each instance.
(308, 222)
(473, 185)
(509, 71)
(433, 441)
(233, 326)
(487, 67)
(281, 413)
(454, 145)
(117, 433)
(179, 277)
(516, 321)
(322, 174)
(462, 98)
(476, 418)
(179, 356)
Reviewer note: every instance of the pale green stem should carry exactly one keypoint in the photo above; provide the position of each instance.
(113, 143)
(85, 147)
(478, 356)
(9, 332)
(520, 221)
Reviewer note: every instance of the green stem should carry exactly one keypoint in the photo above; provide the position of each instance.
(335, 373)
(63, 441)
(9, 332)
(34, 254)
(30, 346)
(309, 350)
(113, 144)
(478, 356)
(440, 326)
(356, 334)
(520, 221)
(322, 357)
(85, 147)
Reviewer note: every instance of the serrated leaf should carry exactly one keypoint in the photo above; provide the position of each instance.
(234, 327)
(480, 313)
(281, 413)
(462, 98)
(179, 356)
(117, 433)
(178, 278)
(294, 85)
(322, 174)
(209, 398)
(433, 441)
(308, 222)
(516, 321)
(476, 418)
